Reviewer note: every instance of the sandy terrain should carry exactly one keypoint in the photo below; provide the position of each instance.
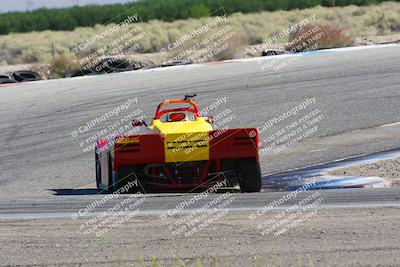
(331, 237)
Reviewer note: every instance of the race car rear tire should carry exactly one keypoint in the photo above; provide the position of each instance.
(111, 186)
(250, 180)
(98, 171)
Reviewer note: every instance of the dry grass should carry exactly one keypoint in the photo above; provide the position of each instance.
(61, 65)
(320, 37)
(249, 29)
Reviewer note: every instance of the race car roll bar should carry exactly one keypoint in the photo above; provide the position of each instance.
(194, 108)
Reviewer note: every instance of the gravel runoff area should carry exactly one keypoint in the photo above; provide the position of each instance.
(330, 237)
(387, 169)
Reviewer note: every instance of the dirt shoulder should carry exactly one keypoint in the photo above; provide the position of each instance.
(321, 240)
(387, 169)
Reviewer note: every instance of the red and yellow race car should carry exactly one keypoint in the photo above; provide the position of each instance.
(179, 151)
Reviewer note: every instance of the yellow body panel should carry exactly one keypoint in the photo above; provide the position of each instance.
(185, 140)
(198, 125)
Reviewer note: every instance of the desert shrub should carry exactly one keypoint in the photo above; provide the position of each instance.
(61, 65)
(314, 37)
(383, 24)
(30, 58)
(228, 51)
(358, 12)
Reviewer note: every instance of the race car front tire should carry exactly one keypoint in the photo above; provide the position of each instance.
(250, 180)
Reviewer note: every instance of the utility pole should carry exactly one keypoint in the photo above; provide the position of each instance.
(53, 51)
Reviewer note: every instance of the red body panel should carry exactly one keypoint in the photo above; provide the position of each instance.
(223, 144)
(234, 143)
(149, 149)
